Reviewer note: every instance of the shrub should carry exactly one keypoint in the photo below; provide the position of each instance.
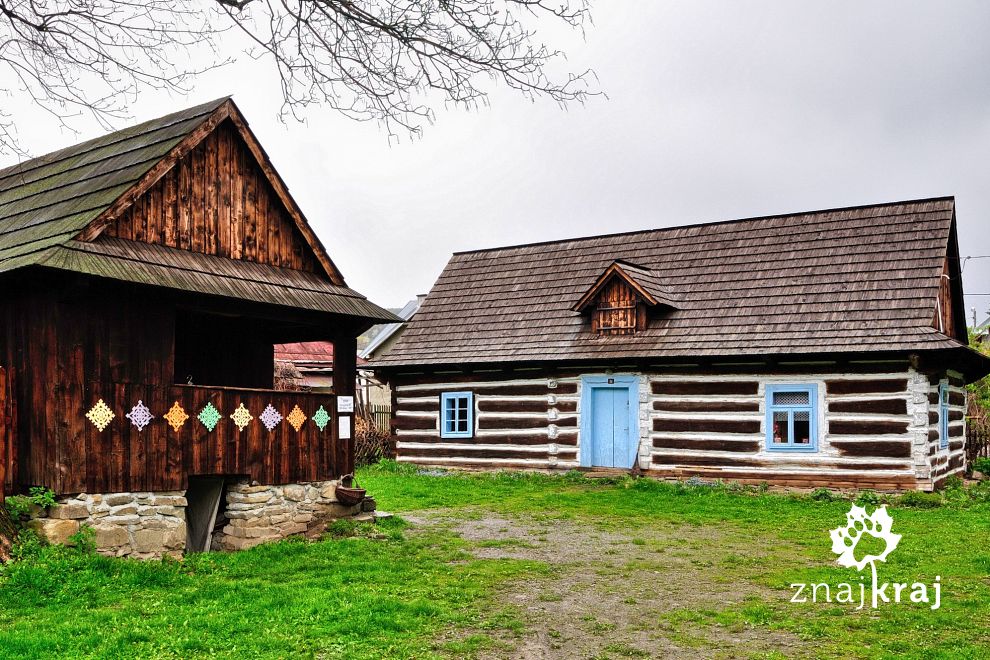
(84, 541)
(919, 500)
(43, 497)
(982, 465)
(371, 444)
(867, 496)
(19, 506)
(823, 495)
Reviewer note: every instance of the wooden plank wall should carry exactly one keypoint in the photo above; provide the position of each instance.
(528, 423)
(217, 201)
(5, 430)
(617, 311)
(121, 458)
(945, 315)
(950, 461)
(69, 346)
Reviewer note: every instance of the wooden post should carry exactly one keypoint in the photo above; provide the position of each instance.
(344, 377)
(8, 531)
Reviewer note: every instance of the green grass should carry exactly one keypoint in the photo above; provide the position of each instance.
(356, 595)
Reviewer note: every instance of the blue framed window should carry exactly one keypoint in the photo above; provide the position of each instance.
(792, 417)
(943, 415)
(456, 415)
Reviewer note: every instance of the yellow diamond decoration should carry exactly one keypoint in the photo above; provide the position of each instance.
(100, 415)
(176, 417)
(296, 418)
(241, 417)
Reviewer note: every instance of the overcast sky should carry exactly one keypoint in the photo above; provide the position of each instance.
(716, 110)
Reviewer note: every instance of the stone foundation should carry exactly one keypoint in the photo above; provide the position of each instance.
(257, 514)
(139, 525)
(153, 525)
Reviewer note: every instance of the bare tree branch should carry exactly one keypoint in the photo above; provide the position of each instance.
(381, 60)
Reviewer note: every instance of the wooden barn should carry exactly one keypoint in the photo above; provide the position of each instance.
(811, 349)
(146, 277)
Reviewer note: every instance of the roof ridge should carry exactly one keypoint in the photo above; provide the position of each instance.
(47, 158)
(837, 209)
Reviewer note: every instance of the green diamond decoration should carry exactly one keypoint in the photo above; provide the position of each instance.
(209, 416)
(321, 417)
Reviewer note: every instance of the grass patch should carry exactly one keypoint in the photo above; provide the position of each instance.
(372, 591)
(347, 596)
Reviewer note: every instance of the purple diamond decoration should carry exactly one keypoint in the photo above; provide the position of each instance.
(270, 417)
(140, 415)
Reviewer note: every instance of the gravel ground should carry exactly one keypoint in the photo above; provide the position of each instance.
(616, 594)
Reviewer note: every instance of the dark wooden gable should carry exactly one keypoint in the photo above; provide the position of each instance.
(950, 317)
(619, 298)
(617, 309)
(216, 200)
(217, 193)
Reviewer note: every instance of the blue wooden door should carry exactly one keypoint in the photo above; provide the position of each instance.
(612, 443)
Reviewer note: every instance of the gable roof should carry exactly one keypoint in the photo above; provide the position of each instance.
(643, 280)
(309, 356)
(844, 280)
(406, 313)
(54, 207)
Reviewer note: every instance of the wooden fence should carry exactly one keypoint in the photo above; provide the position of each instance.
(977, 443)
(381, 415)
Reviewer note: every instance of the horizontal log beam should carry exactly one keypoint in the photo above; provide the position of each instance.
(688, 388)
(712, 445)
(865, 427)
(884, 386)
(870, 406)
(706, 406)
(706, 425)
(882, 449)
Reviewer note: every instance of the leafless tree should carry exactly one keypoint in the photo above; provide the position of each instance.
(390, 61)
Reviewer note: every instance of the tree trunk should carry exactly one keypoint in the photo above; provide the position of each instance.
(8, 531)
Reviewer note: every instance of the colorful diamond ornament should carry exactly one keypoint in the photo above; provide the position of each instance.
(241, 417)
(100, 415)
(270, 417)
(176, 417)
(209, 416)
(321, 417)
(296, 418)
(140, 416)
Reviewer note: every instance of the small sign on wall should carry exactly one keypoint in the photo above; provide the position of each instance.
(344, 427)
(345, 404)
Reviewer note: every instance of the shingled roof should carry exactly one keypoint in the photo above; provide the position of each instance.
(51, 208)
(845, 280)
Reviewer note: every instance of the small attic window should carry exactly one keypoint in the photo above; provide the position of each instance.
(620, 298)
(618, 311)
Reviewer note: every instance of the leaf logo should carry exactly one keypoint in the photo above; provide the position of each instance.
(845, 539)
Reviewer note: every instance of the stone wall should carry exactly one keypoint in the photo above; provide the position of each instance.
(139, 525)
(153, 525)
(257, 514)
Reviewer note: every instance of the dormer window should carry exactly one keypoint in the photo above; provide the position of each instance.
(621, 297)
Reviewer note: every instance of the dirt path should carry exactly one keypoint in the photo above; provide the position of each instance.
(620, 593)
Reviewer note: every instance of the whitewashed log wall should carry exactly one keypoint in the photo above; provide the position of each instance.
(876, 428)
(944, 463)
(529, 423)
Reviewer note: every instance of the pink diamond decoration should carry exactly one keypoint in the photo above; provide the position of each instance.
(270, 417)
(140, 415)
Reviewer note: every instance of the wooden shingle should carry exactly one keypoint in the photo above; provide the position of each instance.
(844, 280)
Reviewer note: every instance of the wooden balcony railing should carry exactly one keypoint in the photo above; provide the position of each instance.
(169, 449)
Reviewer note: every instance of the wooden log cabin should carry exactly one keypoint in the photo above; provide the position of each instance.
(146, 277)
(811, 349)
